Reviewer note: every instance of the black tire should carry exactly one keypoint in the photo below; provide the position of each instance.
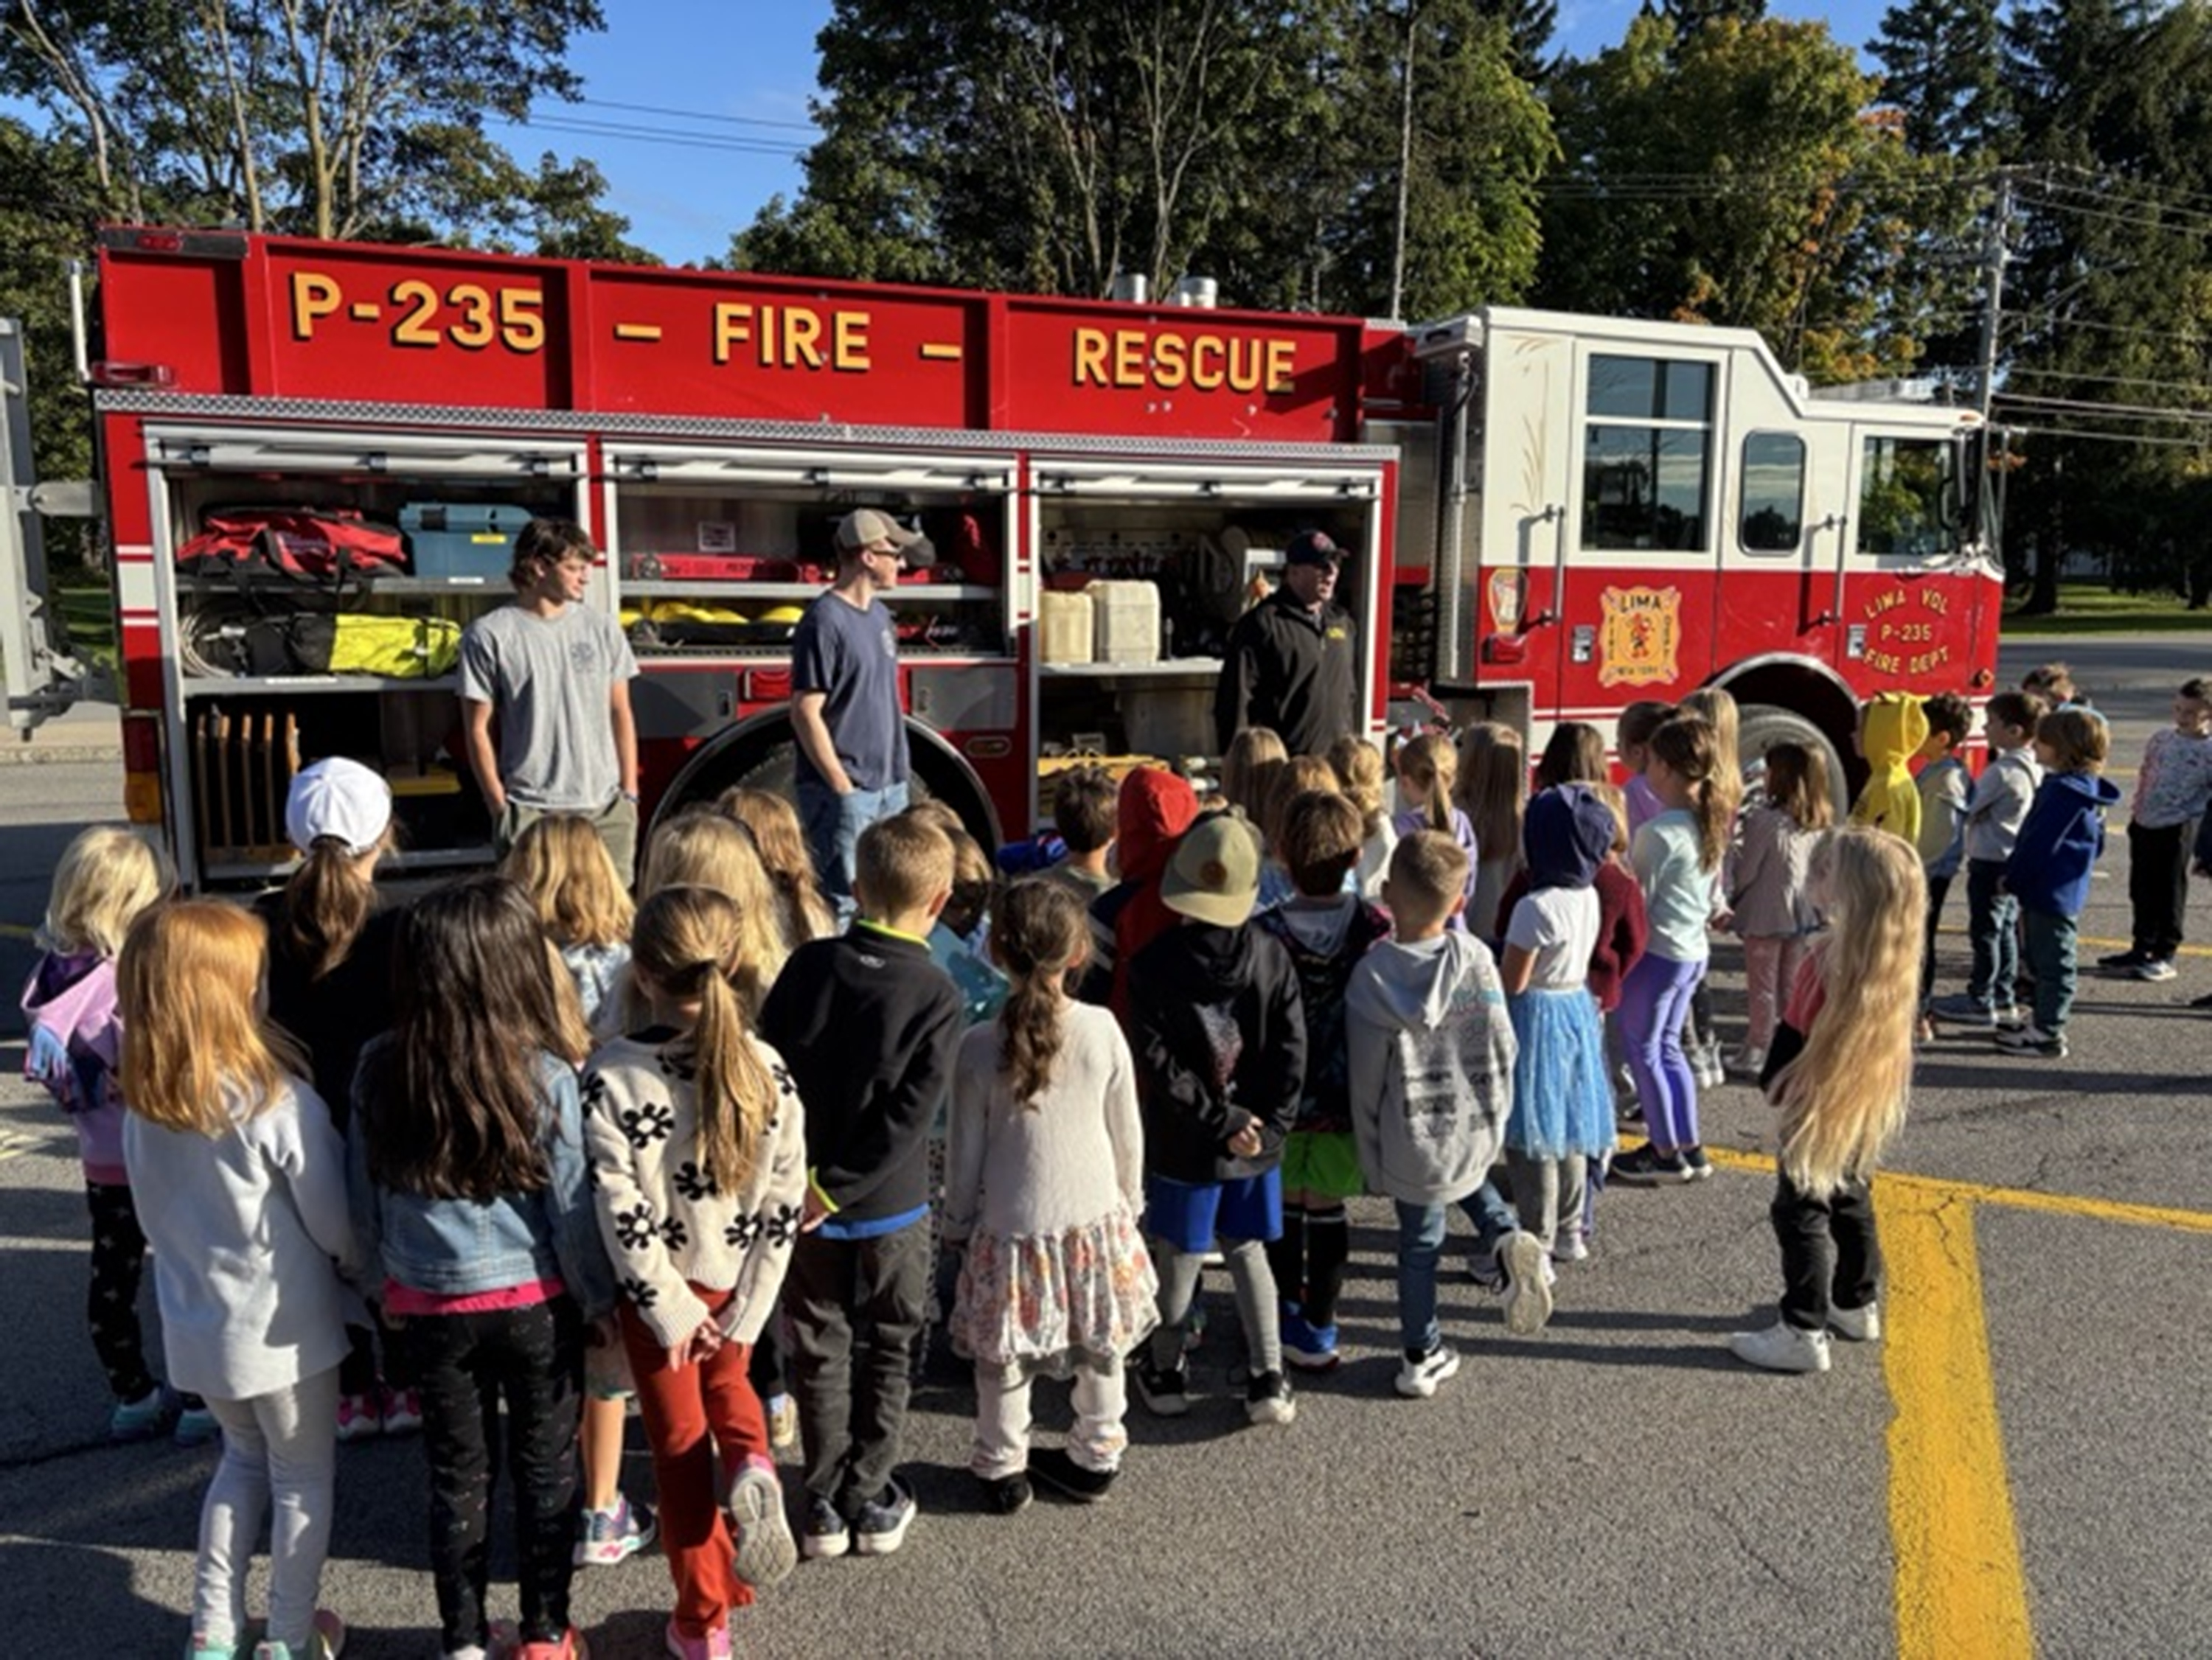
(1763, 727)
(762, 760)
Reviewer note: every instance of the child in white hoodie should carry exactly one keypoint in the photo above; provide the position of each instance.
(1432, 1054)
(1995, 813)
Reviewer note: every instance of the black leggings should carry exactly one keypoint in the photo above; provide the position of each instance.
(118, 1263)
(465, 1365)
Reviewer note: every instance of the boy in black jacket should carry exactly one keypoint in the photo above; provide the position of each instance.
(868, 1026)
(1220, 1044)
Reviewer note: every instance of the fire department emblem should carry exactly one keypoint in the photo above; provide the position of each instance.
(1639, 636)
(1506, 588)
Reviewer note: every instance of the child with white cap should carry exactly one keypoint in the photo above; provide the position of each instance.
(329, 986)
(1220, 1041)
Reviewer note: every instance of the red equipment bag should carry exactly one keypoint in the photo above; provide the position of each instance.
(294, 544)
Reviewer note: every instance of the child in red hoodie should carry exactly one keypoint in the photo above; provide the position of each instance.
(1155, 808)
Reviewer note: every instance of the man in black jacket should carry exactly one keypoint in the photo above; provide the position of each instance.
(1293, 661)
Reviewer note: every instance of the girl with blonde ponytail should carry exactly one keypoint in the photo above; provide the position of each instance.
(1043, 1181)
(1840, 1070)
(698, 1153)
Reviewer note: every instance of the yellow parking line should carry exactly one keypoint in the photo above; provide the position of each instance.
(16, 931)
(1960, 1587)
(2016, 1198)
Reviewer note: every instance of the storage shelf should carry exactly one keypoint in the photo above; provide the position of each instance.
(356, 586)
(673, 588)
(314, 685)
(1194, 668)
(438, 859)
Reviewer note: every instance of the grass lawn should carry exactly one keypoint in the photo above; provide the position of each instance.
(89, 607)
(2090, 607)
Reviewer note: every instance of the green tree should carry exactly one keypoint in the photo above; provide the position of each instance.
(327, 117)
(1029, 145)
(1443, 216)
(50, 199)
(1735, 176)
(2108, 319)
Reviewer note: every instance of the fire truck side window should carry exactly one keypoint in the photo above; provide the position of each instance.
(1773, 493)
(1646, 453)
(1906, 496)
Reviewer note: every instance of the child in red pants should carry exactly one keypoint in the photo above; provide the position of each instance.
(698, 1146)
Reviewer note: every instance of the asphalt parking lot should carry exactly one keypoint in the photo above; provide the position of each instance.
(2017, 1467)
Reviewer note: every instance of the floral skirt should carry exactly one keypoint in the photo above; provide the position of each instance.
(1562, 1094)
(1042, 1296)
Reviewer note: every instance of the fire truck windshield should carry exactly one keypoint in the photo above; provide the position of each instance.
(1909, 497)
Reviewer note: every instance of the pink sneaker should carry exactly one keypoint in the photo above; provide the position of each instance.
(403, 1410)
(714, 1645)
(571, 1646)
(359, 1417)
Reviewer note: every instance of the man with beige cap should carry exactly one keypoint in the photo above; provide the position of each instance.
(851, 764)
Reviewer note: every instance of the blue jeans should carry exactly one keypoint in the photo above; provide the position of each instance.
(1992, 931)
(2049, 942)
(1421, 1244)
(833, 825)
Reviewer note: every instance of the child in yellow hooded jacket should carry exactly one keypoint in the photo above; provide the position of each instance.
(1892, 727)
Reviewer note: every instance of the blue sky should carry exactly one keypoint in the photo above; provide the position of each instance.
(714, 93)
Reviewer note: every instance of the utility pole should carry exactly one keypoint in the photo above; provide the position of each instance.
(1994, 268)
(1405, 164)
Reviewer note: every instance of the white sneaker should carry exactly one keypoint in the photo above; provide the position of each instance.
(1570, 1246)
(1417, 1380)
(1746, 1062)
(1782, 1347)
(1857, 1325)
(1527, 1282)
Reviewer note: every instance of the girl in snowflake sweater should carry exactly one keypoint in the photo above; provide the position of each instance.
(698, 1153)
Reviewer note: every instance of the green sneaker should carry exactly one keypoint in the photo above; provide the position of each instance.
(144, 1419)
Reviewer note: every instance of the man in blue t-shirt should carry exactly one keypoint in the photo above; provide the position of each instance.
(852, 758)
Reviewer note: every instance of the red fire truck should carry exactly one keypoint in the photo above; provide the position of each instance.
(1550, 516)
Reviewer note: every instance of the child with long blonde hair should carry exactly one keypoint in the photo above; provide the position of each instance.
(1044, 1183)
(1676, 856)
(239, 1180)
(780, 841)
(1493, 792)
(1840, 1070)
(1768, 898)
(562, 864)
(106, 878)
(698, 1150)
(1361, 774)
(700, 847)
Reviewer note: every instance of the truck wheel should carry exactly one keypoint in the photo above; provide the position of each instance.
(1763, 727)
(759, 757)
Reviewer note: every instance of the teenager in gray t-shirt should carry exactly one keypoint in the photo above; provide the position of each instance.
(546, 696)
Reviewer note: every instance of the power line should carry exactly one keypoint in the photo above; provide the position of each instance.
(2069, 376)
(696, 115)
(2200, 225)
(2071, 433)
(726, 143)
(2051, 320)
(2114, 411)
